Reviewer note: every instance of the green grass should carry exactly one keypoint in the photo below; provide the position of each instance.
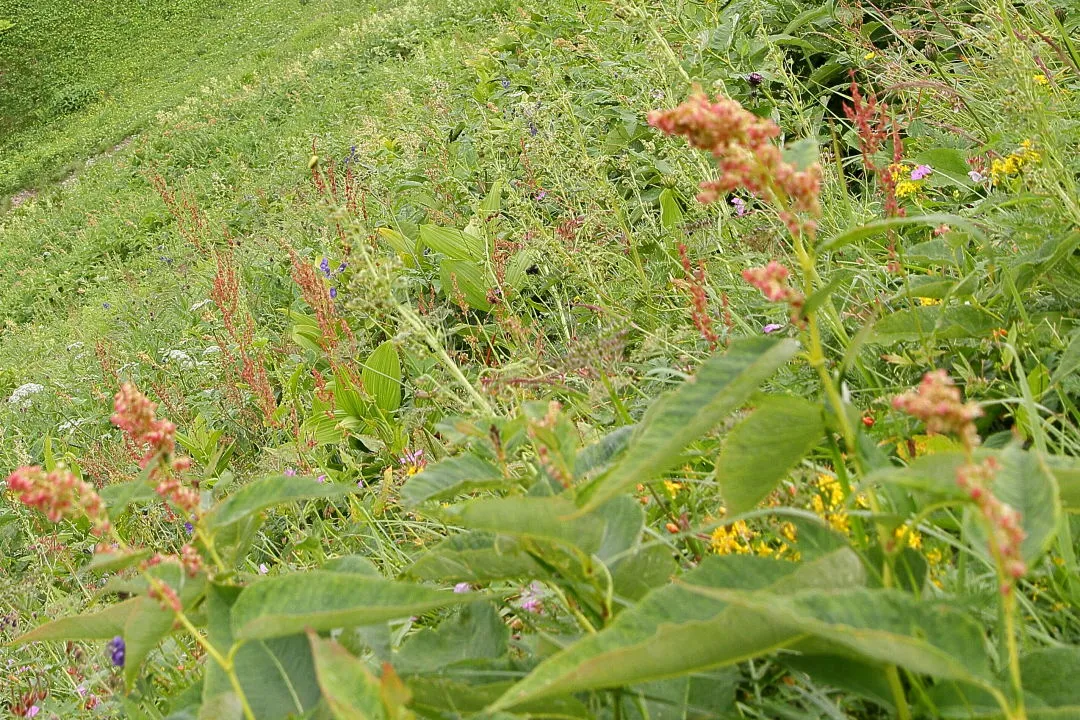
(430, 107)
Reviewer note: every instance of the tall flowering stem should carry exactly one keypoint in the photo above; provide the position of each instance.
(742, 145)
(937, 403)
(59, 494)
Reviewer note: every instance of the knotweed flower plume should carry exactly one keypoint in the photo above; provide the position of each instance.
(742, 145)
(59, 494)
(937, 403)
(771, 280)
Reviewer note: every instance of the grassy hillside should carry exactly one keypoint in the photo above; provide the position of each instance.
(423, 270)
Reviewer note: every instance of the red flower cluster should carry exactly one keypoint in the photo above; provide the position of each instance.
(937, 402)
(59, 494)
(771, 280)
(1006, 535)
(741, 144)
(135, 415)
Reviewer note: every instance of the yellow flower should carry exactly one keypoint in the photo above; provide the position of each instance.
(672, 488)
(762, 548)
(734, 538)
(789, 531)
(914, 539)
(905, 188)
(1041, 79)
(839, 522)
(929, 301)
(869, 56)
(934, 557)
(830, 487)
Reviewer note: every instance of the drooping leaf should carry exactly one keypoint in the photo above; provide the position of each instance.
(553, 519)
(120, 496)
(114, 561)
(350, 689)
(1050, 674)
(1025, 484)
(883, 226)
(670, 212)
(933, 321)
(760, 451)
(475, 632)
(101, 625)
(598, 455)
(674, 630)
(861, 677)
(678, 418)
(451, 477)
(382, 376)
(886, 626)
(321, 600)
(267, 492)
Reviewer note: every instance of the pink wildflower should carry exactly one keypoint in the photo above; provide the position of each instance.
(921, 172)
(59, 494)
(937, 403)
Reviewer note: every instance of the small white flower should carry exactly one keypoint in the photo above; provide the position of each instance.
(179, 357)
(199, 305)
(21, 396)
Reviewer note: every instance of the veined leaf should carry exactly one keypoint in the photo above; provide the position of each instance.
(1025, 484)
(678, 418)
(881, 226)
(675, 630)
(760, 451)
(267, 492)
(147, 626)
(101, 625)
(469, 279)
(543, 518)
(321, 600)
(449, 478)
(453, 243)
(382, 376)
(474, 557)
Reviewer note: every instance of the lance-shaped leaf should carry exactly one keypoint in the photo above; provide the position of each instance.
(554, 519)
(100, 625)
(267, 492)
(350, 689)
(886, 626)
(147, 626)
(675, 631)
(322, 600)
(474, 557)
(434, 695)
(1026, 484)
(449, 478)
(760, 451)
(720, 386)
(453, 242)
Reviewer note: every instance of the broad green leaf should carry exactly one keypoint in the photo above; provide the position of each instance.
(623, 520)
(475, 632)
(382, 376)
(321, 600)
(350, 689)
(474, 557)
(601, 453)
(450, 478)
(644, 569)
(856, 676)
(277, 676)
(882, 226)
(145, 628)
(114, 561)
(801, 153)
(675, 630)
(101, 625)
(670, 212)
(453, 243)
(355, 564)
(1051, 675)
(267, 492)
(684, 415)
(1066, 470)
(553, 519)
(402, 245)
(468, 279)
(704, 696)
(933, 321)
(1025, 484)
(492, 202)
(886, 626)
(760, 451)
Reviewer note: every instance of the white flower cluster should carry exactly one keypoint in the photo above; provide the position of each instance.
(22, 395)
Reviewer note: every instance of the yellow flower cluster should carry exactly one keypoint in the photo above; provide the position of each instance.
(829, 503)
(739, 539)
(1011, 165)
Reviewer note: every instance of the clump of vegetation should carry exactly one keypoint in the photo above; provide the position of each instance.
(624, 360)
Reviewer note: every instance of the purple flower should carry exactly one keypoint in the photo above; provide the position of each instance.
(533, 130)
(739, 205)
(189, 528)
(755, 79)
(771, 327)
(106, 305)
(321, 478)
(333, 293)
(341, 267)
(531, 600)
(32, 711)
(290, 472)
(325, 266)
(462, 587)
(263, 569)
(541, 195)
(117, 647)
(505, 82)
(921, 172)
(360, 484)
(976, 176)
